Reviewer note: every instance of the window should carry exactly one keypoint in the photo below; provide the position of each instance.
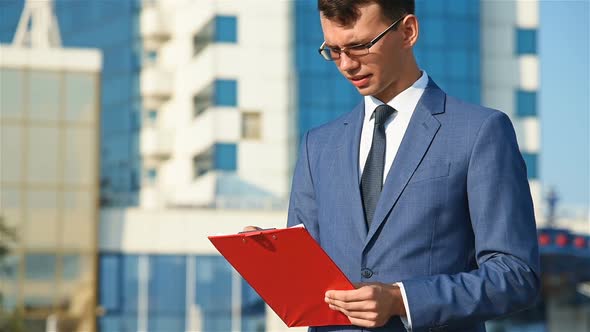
(71, 267)
(526, 103)
(526, 41)
(39, 302)
(253, 310)
(530, 159)
(11, 144)
(80, 155)
(43, 143)
(226, 29)
(203, 100)
(203, 163)
(45, 95)
(213, 292)
(40, 267)
(151, 175)
(203, 38)
(80, 101)
(150, 57)
(12, 84)
(225, 156)
(151, 116)
(226, 92)
(110, 282)
(9, 268)
(221, 92)
(222, 156)
(167, 286)
(251, 125)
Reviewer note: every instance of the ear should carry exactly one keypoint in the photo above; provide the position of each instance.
(410, 30)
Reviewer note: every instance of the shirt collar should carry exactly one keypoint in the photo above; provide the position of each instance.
(405, 102)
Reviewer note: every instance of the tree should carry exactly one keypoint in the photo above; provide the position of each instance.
(9, 321)
(7, 237)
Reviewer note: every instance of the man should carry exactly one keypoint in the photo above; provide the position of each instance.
(419, 198)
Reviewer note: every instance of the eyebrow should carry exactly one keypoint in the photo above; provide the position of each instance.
(347, 45)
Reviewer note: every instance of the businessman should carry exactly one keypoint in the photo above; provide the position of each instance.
(422, 200)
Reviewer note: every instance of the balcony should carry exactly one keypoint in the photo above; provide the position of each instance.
(156, 144)
(156, 87)
(154, 27)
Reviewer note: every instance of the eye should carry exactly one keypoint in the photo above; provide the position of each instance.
(335, 49)
(359, 47)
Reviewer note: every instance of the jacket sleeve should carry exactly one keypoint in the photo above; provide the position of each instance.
(500, 206)
(302, 203)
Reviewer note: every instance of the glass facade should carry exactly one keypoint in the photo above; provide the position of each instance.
(225, 156)
(531, 161)
(449, 46)
(526, 103)
(526, 41)
(226, 93)
(175, 293)
(322, 93)
(448, 49)
(49, 191)
(226, 29)
(114, 29)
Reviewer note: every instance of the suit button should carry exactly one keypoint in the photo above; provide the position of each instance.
(366, 273)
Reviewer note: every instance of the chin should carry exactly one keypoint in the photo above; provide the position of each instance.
(367, 91)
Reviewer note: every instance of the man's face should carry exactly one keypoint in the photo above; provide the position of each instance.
(373, 74)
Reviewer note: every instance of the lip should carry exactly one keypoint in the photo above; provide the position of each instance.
(360, 80)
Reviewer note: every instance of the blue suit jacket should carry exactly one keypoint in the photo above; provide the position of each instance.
(454, 221)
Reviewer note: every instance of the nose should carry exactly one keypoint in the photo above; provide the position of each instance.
(347, 63)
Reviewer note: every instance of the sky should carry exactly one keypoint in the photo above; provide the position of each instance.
(564, 102)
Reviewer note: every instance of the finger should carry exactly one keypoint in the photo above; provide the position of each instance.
(361, 315)
(354, 306)
(363, 322)
(359, 294)
(251, 228)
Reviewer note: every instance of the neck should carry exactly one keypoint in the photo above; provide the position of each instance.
(410, 74)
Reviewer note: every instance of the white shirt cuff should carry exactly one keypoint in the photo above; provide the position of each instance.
(408, 319)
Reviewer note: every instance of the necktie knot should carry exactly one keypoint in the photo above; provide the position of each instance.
(382, 113)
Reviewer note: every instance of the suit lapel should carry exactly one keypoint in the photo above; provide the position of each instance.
(420, 132)
(350, 153)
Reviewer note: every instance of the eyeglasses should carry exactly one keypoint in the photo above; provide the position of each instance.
(333, 53)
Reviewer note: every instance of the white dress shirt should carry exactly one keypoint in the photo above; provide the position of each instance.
(395, 128)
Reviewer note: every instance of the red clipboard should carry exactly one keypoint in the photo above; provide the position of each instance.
(289, 270)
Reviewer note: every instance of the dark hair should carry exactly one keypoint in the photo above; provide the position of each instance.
(346, 12)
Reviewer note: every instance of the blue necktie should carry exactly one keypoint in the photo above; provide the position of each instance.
(372, 178)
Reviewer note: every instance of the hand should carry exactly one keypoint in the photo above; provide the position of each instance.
(251, 228)
(370, 305)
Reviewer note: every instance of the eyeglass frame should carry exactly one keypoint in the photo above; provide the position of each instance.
(365, 46)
